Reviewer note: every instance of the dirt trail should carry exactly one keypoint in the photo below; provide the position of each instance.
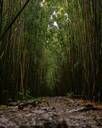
(55, 112)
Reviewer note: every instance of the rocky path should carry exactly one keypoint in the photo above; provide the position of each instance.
(57, 112)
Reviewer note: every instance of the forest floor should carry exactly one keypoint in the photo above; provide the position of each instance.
(55, 112)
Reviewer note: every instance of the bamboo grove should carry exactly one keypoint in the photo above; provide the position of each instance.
(52, 47)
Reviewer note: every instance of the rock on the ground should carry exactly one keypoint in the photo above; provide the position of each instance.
(59, 112)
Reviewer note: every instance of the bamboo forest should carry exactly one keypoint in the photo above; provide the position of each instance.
(51, 63)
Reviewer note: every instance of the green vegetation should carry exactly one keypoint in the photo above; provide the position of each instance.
(53, 47)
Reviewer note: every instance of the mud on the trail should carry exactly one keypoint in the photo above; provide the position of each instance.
(57, 112)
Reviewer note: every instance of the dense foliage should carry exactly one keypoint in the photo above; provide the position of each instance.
(53, 48)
